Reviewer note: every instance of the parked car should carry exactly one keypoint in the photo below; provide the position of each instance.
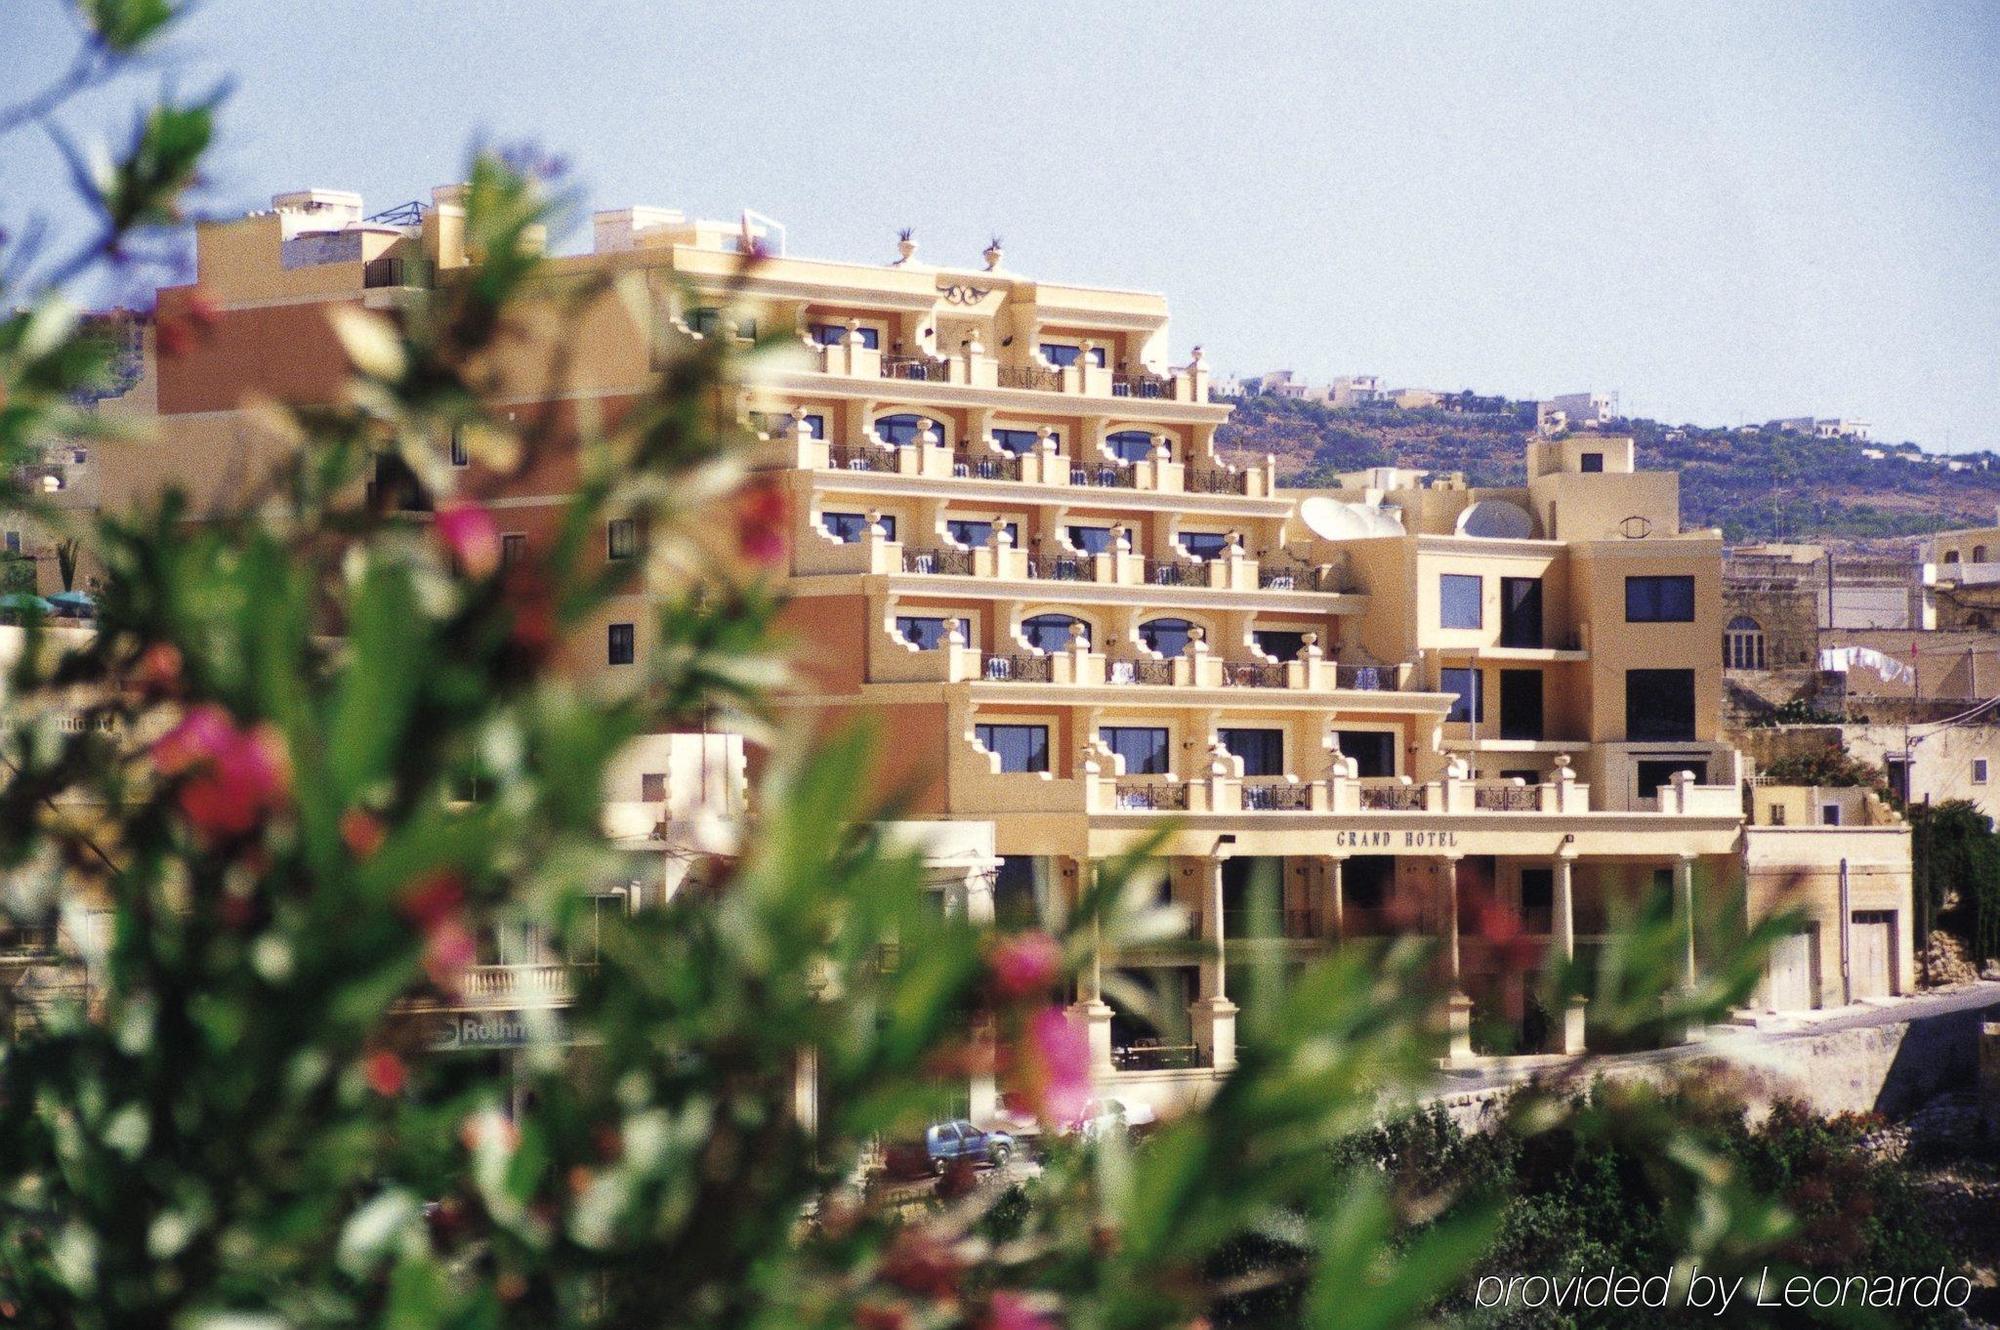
(944, 1142)
(1103, 1117)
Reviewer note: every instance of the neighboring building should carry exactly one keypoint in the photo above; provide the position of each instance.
(1281, 383)
(1820, 428)
(1584, 410)
(1413, 399)
(1356, 390)
(1016, 549)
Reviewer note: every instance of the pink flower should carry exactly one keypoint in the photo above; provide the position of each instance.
(233, 775)
(1008, 1310)
(1049, 1066)
(1024, 964)
(385, 1073)
(448, 949)
(760, 523)
(469, 532)
(433, 900)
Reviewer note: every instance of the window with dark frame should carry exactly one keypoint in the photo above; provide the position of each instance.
(968, 531)
(1019, 441)
(1469, 701)
(1262, 750)
(835, 334)
(1461, 600)
(1659, 599)
(1130, 445)
(1520, 611)
(1590, 463)
(653, 787)
(929, 633)
(847, 527)
(1204, 545)
(1657, 771)
(1279, 643)
(621, 538)
(1050, 632)
(459, 454)
(903, 430)
(1143, 747)
(1091, 539)
(513, 548)
(1167, 636)
(620, 644)
(1021, 748)
(1373, 751)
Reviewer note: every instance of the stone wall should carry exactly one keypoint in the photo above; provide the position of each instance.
(1989, 1068)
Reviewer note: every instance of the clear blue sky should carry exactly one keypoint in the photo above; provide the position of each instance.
(1719, 210)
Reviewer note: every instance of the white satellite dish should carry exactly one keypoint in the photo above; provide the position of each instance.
(1496, 519)
(1330, 519)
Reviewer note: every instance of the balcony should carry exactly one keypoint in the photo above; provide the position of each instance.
(1155, 796)
(981, 460)
(1034, 378)
(1142, 384)
(949, 562)
(917, 369)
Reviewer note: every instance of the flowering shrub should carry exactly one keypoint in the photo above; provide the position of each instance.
(362, 757)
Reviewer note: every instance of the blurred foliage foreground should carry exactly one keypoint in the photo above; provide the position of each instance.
(283, 709)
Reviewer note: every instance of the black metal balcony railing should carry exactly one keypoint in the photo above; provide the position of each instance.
(1288, 577)
(1215, 480)
(1174, 572)
(1393, 798)
(920, 369)
(1141, 385)
(945, 562)
(1155, 1057)
(1366, 678)
(1277, 796)
(851, 457)
(1151, 795)
(389, 271)
(1064, 568)
(987, 466)
(1155, 672)
(1252, 674)
(1508, 798)
(1031, 376)
(1104, 475)
(1020, 669)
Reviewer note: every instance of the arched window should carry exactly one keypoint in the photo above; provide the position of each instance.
(1169, 637)
(1130, 445)
(901, 431)
(1951, 556)
(1743, 644)
(1979, 554)
(1050, 632)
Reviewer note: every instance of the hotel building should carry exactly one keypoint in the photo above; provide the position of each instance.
(1405, 704)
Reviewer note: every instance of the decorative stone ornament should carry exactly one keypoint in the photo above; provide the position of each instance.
(906, 244)
(993, 254)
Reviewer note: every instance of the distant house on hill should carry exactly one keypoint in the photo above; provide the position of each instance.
(1821, 427)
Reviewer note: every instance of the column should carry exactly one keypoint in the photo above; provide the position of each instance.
(1684, 908)
(1335, 866)
(805, 1092)
(1458, 1007)
(1572, 1015)
(1090, 1006)
(1213, 1014)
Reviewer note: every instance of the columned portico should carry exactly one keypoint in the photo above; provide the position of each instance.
(1684, 914)
(1090, 1007)
(1564, 870)
(1458, 1006)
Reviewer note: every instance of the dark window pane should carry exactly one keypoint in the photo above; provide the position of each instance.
(1367, 880)
(1021, 440)
(968, 532)
(848, 526)
(1459, 601)
(1204, 544)
(1655, 772)
(1520, 704)
(1659, 600)
(1050, 632)
(1017, 898)
(1262, 751)
(1659, 704)
(1592, 462)
(1520, 611)
(1169, 637)
(1283, 643)
(1091, 539)
(621, 538)
(1021, 747)
(904, 430)
(928, 634)
(1143, 748)
(1061, 354)
(619, 644)
(1373, 751)
(1470, 708)
(1130, 445)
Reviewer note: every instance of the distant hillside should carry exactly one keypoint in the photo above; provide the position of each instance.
(1761, 486)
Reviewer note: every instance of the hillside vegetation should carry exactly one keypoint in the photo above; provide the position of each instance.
(1759, 486)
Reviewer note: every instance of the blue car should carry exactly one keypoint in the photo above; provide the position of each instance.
(946, 1141)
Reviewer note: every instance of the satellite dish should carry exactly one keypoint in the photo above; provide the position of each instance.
(1496, 519)
(1330, 519)
(1384, 521)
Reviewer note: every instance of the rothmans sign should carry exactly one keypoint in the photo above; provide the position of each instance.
(472, 1031)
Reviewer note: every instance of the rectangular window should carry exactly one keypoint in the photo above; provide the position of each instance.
(1463, 684)
(1063, 355)
(1538, 895)
(621, 538)
(1262, 751)
(1658, 771)
(967, 532)
(1978, 771)
(1829, 815)
(1091, 539)
(653, 787)
(1461, 598)
(13, 542)
(1520, 704)
(1021, 440)
(459, 455)
(1144, 748)
(1520, 611)
(783, 426)
(1590, 463)
(847, 527)
(1279, 643)
(928, 634)
(1373, 751)
(513, 549)
(1020, 747)
(1659, 599)
(619, 649)
(835, 334)
(1204, 544)
(1659, 704)
(1367, 881)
